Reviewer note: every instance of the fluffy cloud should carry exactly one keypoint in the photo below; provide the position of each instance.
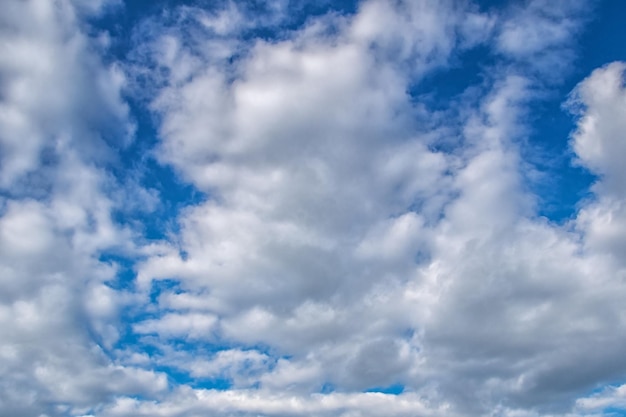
(351, 238)
(601, 102)
(60, 111)
(336, 235)
(46, 70)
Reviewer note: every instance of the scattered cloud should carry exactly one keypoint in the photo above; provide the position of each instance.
(356, 251)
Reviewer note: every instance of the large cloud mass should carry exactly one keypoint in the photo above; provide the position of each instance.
(362, 247)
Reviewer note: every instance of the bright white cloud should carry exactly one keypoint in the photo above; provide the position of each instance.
(352, 238)
(47, 76)
(232, 403)
(311, 241)
(59, 106)
(601, 101)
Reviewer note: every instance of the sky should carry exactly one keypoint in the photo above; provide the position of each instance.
(283, 208)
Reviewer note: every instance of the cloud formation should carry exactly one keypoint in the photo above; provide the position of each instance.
(363, 246)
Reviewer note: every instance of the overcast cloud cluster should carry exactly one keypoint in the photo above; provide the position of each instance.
(353, 244)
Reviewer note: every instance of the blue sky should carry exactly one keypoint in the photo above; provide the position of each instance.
(295, 208)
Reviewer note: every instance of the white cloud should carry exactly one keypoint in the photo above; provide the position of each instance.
(192, 325)
(53, 89)
(539, 34)
(351, 239)
(598, 142)
(244, 402)
(613, 396)
(336, 236)
(60, 109)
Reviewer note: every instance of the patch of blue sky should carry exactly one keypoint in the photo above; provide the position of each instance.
(603, 38)
(162, 286)
(179, 377)
(393, 389)
(125, 273)
(157, 348)
(131, 341)
(219, 380)
(137, 163)
(173, 194)
(133, 314)
(443, 87)
(153, 348)
(562, 184)
(616, 383)
(121, 22)
(281, 23)
(327, 388)
(565, 184)
(614, 412)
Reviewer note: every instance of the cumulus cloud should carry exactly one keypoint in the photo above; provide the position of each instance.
(46, 70)
(600, 102)
(336, 230)
(350, 239)
(60, 113)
